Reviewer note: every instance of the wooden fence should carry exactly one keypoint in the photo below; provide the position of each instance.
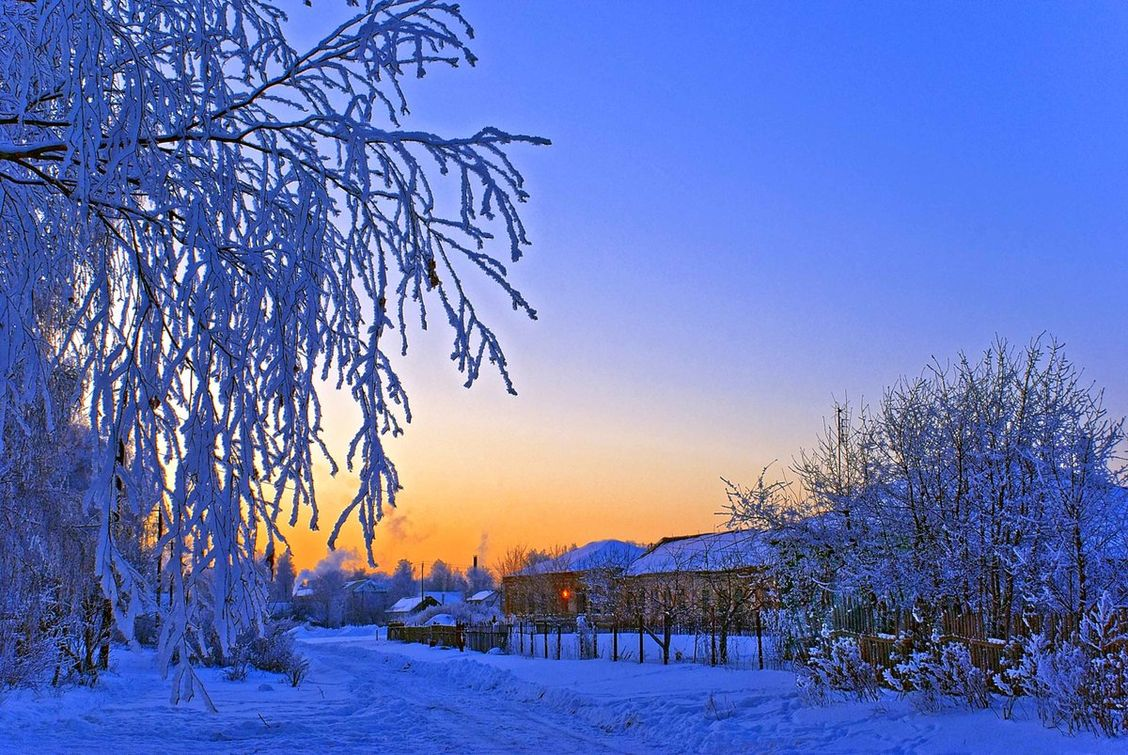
(878, 631)
(481, 638)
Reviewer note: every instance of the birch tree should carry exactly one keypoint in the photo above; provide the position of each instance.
(231, 220)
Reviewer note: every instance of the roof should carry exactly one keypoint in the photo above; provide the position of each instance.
(409, 604)
(714, 551)
(445, 598)
(600, 554)
(481, 595)
(365, 585)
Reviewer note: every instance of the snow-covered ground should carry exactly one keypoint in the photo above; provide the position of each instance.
(365, 694)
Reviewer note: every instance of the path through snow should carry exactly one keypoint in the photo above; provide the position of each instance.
(366, 695)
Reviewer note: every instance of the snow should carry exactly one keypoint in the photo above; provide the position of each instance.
(441, 619)
(480, 596)
(708, 552)
(405, 605)
(363, 693)
(595, 555)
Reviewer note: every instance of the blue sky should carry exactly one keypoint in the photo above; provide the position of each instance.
(750, 209)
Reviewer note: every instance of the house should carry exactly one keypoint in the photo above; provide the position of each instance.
(448, 598)
(579, 581)
(484, 599)
(409, 606)
(698, 580)
(366, 600)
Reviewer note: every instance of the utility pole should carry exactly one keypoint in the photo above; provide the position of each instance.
(422, 567)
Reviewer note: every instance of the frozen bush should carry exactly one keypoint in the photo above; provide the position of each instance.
(1082, 687)
(297, 672)
(934, 670)
(837, 664)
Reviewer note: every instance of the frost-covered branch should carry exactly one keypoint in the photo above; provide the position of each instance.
(234, 221)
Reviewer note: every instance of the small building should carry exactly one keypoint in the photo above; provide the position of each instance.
(698, 580)
(445, 598)
(366, 601)
(409, 606)
(484, 599)
(579, 581)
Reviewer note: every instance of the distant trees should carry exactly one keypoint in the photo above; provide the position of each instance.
(402, 583)
(229, 221)
(282, 583)
(443, 578)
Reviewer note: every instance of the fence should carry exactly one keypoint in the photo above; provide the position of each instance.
(878, 631)
(562, 639)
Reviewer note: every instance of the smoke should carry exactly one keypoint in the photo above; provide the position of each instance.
(342, 560)
(483, 548)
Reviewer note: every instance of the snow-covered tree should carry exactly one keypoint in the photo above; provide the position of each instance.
(443, 578)
(403, 582)
(986, 486)
(231, 220)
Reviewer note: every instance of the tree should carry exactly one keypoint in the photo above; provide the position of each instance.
(282, 584)
(445, 579)
(987, 486)
(479, 578)
(233, 220)
(403, 582)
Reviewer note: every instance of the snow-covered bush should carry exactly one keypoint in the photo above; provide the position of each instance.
(272, 651)
(930, 671)
(1082, 686)
(297, 672)
(836, 663)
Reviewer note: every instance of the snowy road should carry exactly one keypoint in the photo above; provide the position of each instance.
(356, 699)
(366, 695)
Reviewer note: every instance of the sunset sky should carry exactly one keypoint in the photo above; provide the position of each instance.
(748, 211)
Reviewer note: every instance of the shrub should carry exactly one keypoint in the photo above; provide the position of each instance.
(935, 669)
(297, 671)
(837, 664)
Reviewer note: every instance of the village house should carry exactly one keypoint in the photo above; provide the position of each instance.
(404, 608)
(484, 599)
(698, 580)
(366, 601)
(580, 581)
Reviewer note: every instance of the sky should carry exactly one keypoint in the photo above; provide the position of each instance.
(748, 211)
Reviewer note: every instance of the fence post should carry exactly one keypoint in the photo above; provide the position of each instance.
(594, 641)
(759, 641)
(559, 632)
(615, 640)
(546, 640)
(640, 650)
(713, 636)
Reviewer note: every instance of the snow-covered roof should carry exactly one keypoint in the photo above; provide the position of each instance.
(406, 605)
(714, 551)
(445, 598)
(598, 555)
(481, 595)
(366, 585)
(441, 619)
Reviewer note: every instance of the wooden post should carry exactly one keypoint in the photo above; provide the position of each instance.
(713, 636)
(546, 640)
(594, 641)
(615, 641)
(640, 630)
(667, 632)
(759, 641)
(559, 632)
